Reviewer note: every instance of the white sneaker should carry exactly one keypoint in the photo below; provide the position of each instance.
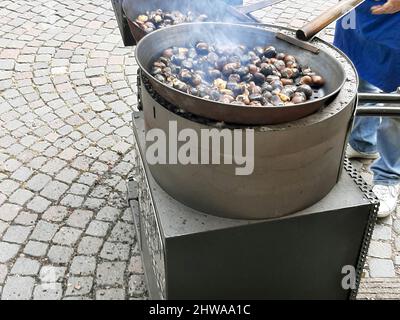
(387, 196)
(351, 153)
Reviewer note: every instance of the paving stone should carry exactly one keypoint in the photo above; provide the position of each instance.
(54, 190)
(80, 218)
(135, 265)
(55, 214)
(25, 218)
(3, 273)
(382, 232)
(136, 286)
(110, 273)
(36, 249)
(97, 228)
(52, 274)
(381, 268)
(396, 226)
(83, 265)
(115, 251)
(21, 196)
(397, 244)
(72, 201)
(8, 251)
(94, 203)
(90, 246)
(44, 231)
(17, 234)
(122, 232)
(79, 286)
(22, 174)
(59, 254)
(38, 182)
(3, 227)
(9, 211)
(110, 294)
(38, 204)
(18, 288)
(67, 175)
(67, 236)
(48, 291)
(108, 214)
(26, 267)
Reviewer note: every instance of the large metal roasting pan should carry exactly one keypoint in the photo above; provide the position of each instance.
(151, 46)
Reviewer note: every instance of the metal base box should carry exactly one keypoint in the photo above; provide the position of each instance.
(190, 255)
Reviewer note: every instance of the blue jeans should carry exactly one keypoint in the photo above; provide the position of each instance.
(376, 134)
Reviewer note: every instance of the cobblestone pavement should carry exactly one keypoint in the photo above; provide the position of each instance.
(67, 88)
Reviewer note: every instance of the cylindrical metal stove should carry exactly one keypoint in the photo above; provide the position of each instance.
(295, 164)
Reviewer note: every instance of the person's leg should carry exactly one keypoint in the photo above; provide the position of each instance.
(363, 138)
(387, 169)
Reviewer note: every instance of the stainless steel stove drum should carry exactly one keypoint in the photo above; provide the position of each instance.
(296, 164)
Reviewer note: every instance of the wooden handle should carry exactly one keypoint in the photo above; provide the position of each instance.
(325, 19)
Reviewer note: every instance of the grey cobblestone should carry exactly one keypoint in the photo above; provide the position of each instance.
(90, 245)
(80, 218)
(3, 273)
(54, 190)
(48, 291)
(110, 294)
(8, 251)
(108, 214)
(97, 228)
(9, 211)
(55, 214)
(38, 204)
(36, 249)
(381, 268)
(137, 286)
(60, 255)
(18, 288)
(79, 286)
(26, 267)
(110, 273)
(52, 274)
(115, 251)
(25, 218)
(83, 265)
(67, 236)
(17, 234)
(44, 231)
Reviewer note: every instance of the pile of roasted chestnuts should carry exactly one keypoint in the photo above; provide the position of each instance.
(260, 76)
(158, 19)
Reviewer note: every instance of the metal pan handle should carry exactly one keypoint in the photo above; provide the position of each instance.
(325, 19)
(391, 98)
(246, 9)
(387, 105)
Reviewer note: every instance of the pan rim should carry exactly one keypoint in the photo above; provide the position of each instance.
(329, 96)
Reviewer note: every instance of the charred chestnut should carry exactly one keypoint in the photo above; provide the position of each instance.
(270, 52)
(202, 48)
(306, 89)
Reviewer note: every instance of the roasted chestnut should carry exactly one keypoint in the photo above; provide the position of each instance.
(270, 52)
(257, 77)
